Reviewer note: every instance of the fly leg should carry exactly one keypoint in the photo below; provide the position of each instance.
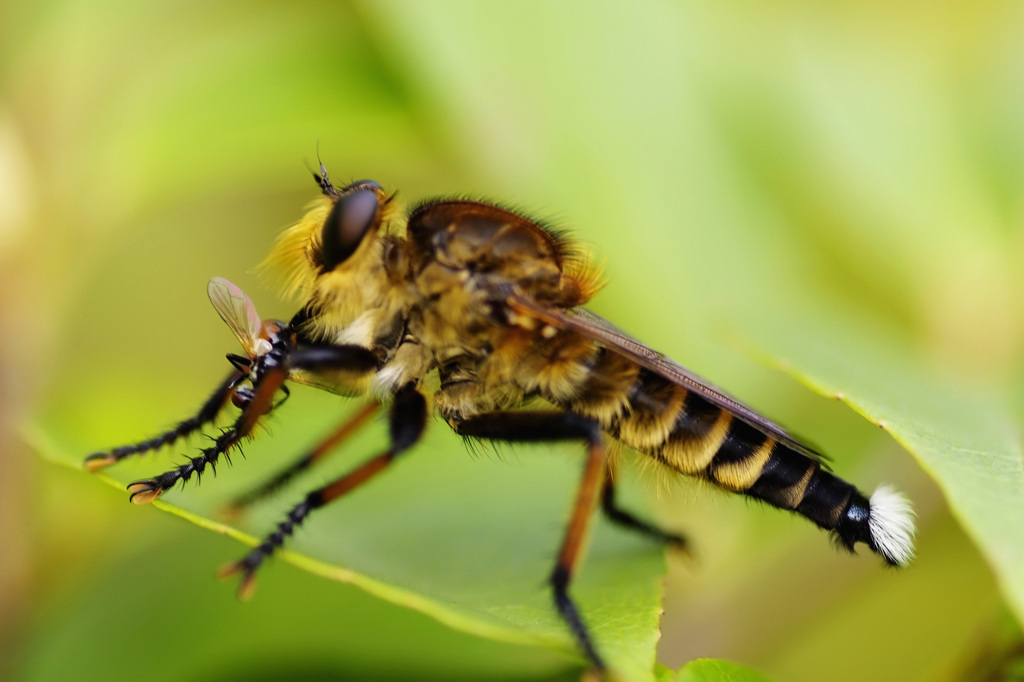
(621, 517)
(318, 358)
(547, 426)
(207, 413)
(408, 419)
(324, 448)
(149, 489)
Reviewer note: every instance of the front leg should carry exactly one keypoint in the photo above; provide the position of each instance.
(147, 490)
(534, 426)
(354, 359)
(207, 413)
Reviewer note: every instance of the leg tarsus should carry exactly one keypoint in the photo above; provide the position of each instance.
(571, 615)
(207, 413)
(250, 562)
(621, 517)
(147, 490)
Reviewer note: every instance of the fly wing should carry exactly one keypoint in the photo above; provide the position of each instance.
(238, 312)
(595, 327)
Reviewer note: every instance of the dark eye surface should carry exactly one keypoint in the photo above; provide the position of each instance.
(352, 216)
(361, 184)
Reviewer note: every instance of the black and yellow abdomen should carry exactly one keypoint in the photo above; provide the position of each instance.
(687, 433)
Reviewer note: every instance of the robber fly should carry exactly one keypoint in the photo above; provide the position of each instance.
(490, 301)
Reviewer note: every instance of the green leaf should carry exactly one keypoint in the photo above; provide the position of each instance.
(468, 541)
(142, 614)
(707, 670)
(967, 442)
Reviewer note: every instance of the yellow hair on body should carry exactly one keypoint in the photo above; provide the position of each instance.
(581, 278)
(291, 258)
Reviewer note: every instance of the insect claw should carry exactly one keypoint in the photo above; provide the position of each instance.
(98, 460)
(247, 587)
(228, 570)
(144, 492)
(599, 675)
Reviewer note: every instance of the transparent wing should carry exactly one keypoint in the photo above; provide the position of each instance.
(237, 311)
(595, 327)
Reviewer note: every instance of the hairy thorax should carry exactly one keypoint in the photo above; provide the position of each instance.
(487, 357)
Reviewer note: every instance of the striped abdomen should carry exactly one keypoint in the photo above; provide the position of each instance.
(686, 432)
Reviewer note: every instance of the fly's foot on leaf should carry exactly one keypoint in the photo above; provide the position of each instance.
(145, 491)
(598, 675)
(98, 460)
(680, 544)
(247, 567)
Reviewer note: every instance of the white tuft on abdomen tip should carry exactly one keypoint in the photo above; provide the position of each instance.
(891, 524)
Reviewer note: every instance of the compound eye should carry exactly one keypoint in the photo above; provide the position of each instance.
(351, 218)
(361, 184)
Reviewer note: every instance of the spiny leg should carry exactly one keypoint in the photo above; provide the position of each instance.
(147, 490)
(619, 516)
(533, 426)
(351, 358)
(207, 413)
(408, 419)
(325, 447)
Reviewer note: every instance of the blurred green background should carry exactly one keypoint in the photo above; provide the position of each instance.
(731, 162)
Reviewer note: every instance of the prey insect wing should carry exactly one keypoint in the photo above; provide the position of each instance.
(238, 312)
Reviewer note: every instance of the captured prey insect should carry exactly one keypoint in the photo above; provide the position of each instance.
(488, 301)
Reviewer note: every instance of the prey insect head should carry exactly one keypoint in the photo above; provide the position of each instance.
(259, 338)
(278, 334)
(271, 350)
